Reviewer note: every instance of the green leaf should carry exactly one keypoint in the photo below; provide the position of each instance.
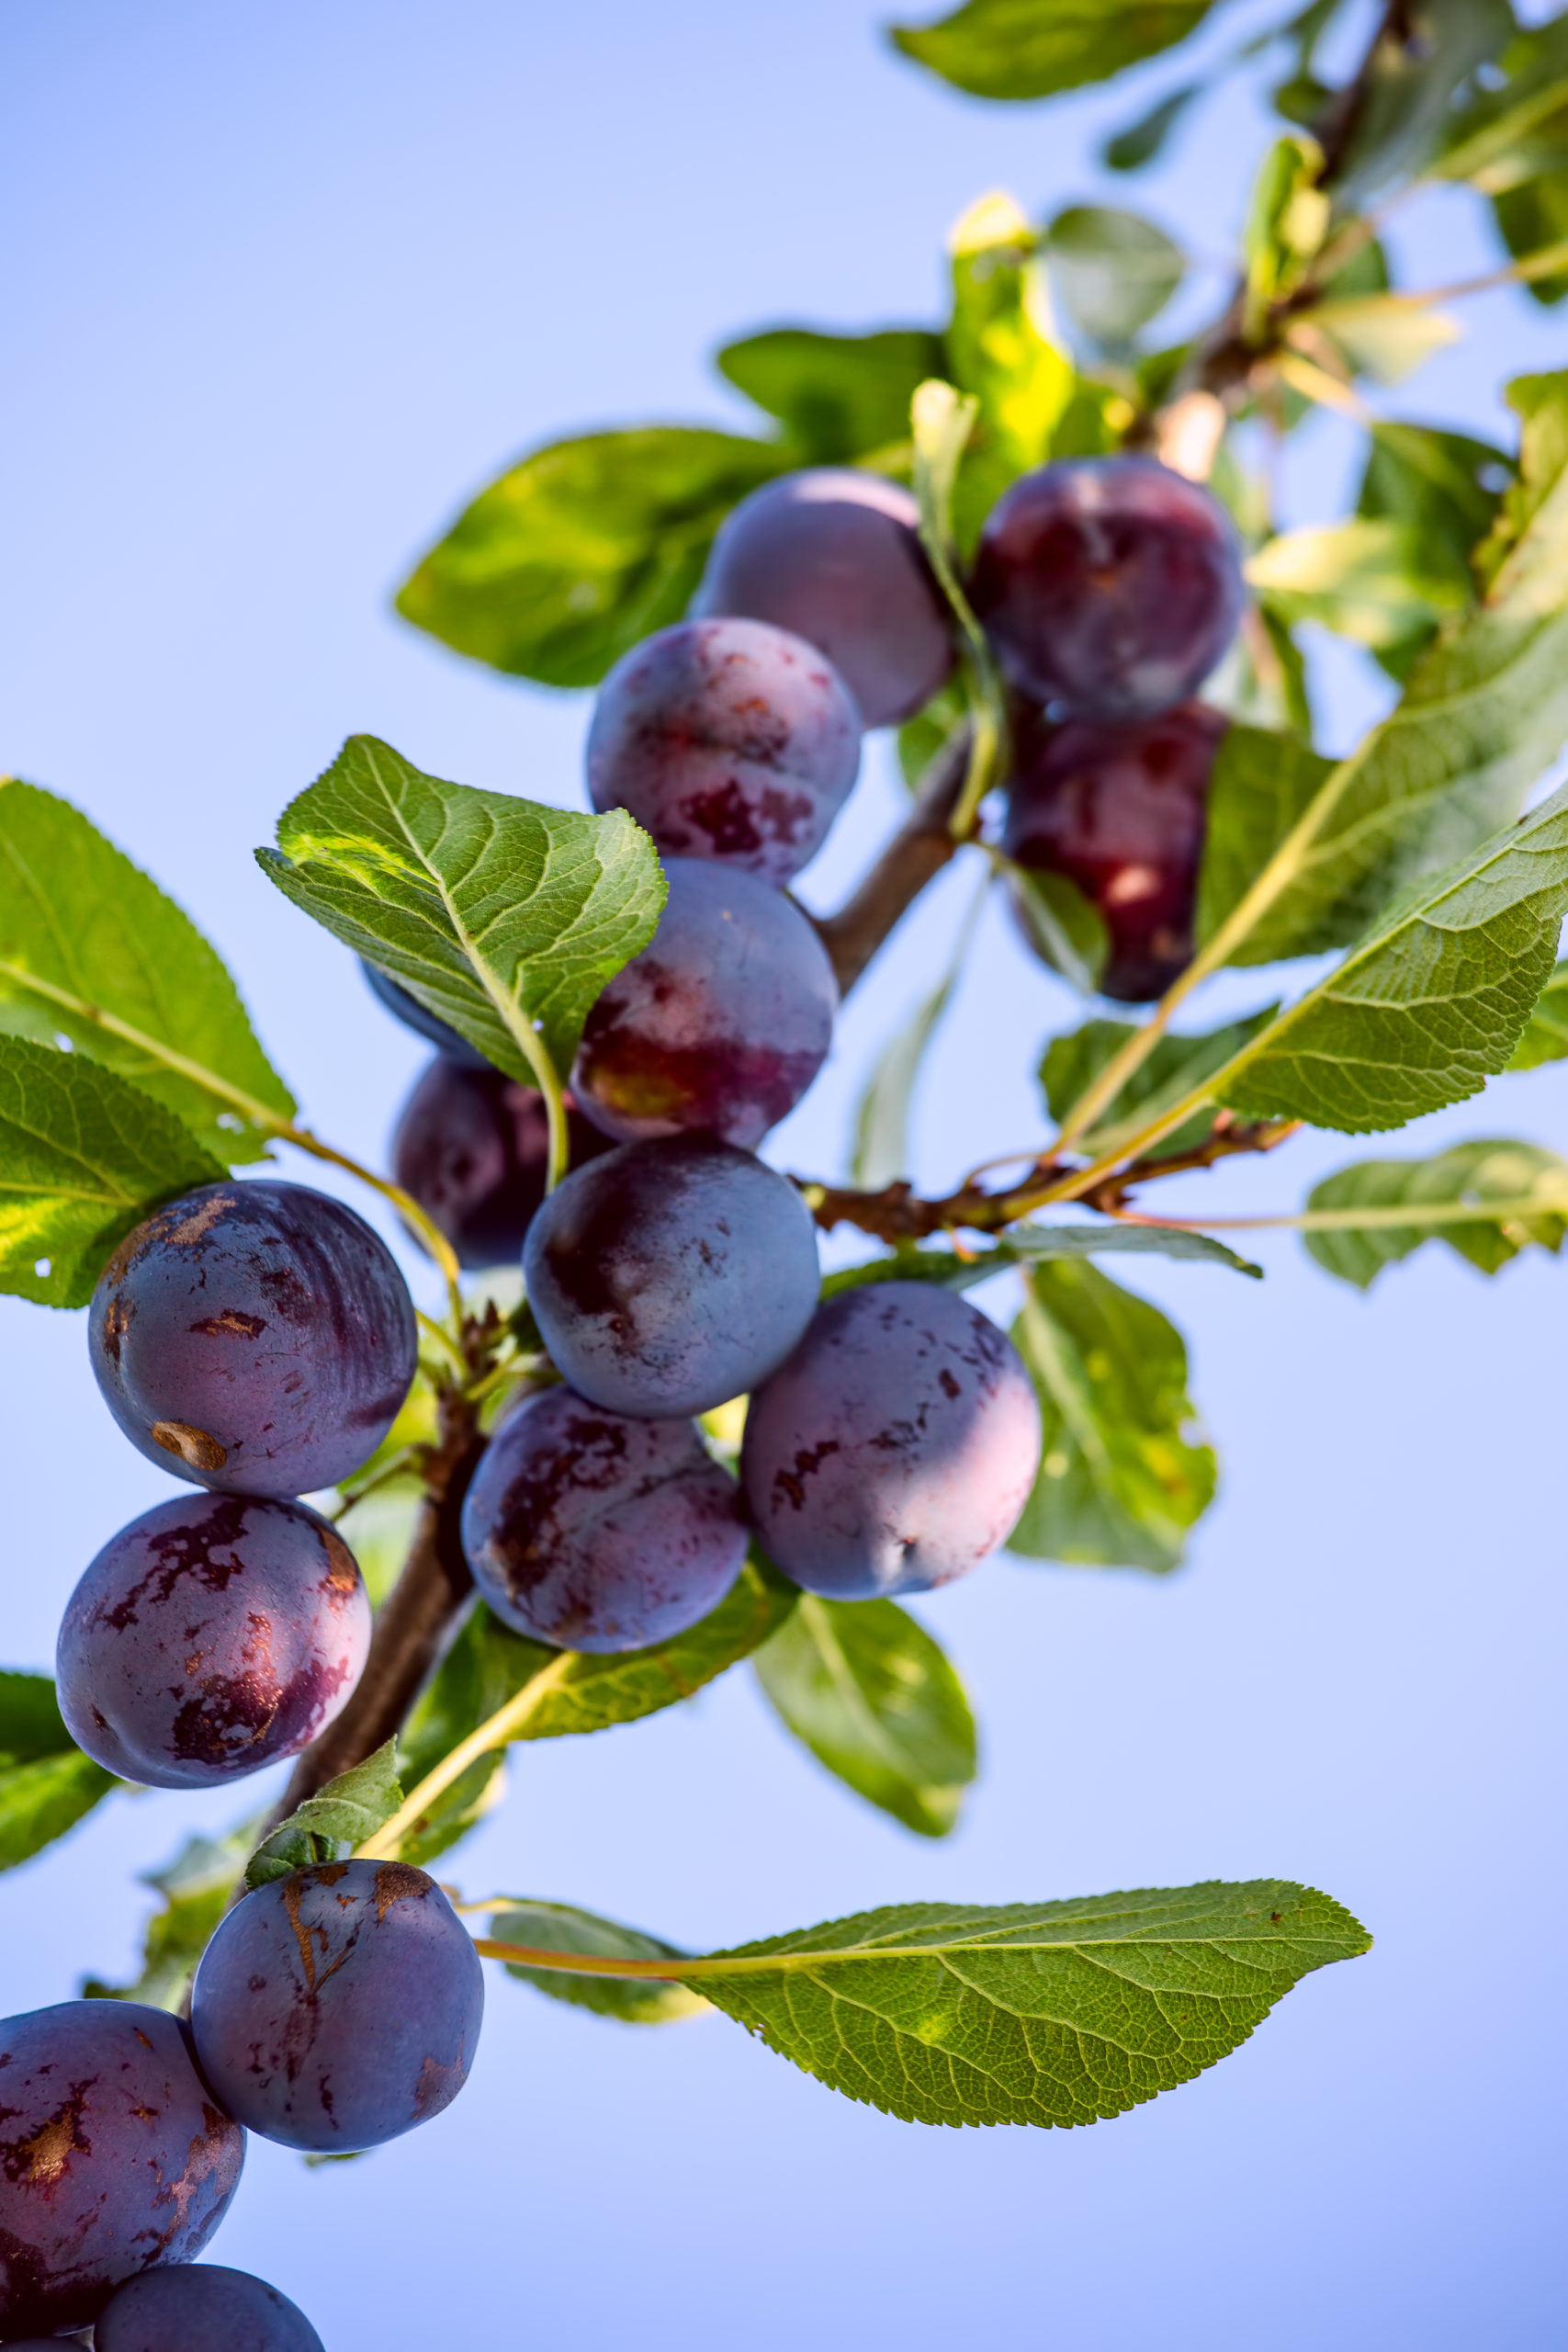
(1121, 1482)
(1027, 1244)
(1529, 219)
(562, 1927)
(838, 396)
(1111, 271)
(85, 937)
(1130, 150)
(1447, 485)
(1263, 784)
(1385, 336)
(1031, 49)
(197, 1887)
(922, 736)
(346, 1811)
(1067, 932)
(1545, 1037)
(505, 917)
(882, 1118)
(46, 1782)
(1409, 94)
(1001, 349)
(1470, 1176)
(83, 1157)
(1047, 2013)
(1378, 582)
(1433, 1000)
(872, 1697)
(1286, 222)
(584, 548)
(1506, 136)
(1171, 1068)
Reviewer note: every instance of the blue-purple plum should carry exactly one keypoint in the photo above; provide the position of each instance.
(404, 1006)
(1110, 586)
(339, 2007)
(671, 1276)
(722, 1021)
(200, 2307)
(595, 1532)
(896, 1449)
(835, 555)
(212, 1636)
(471, 1146)
(726, 739)
(115, 2157)
(256, 1338)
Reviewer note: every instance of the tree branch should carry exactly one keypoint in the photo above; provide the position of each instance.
(915, 855)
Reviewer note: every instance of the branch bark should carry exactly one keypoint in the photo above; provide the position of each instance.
(915, 856)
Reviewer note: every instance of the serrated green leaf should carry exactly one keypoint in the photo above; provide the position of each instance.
(1130, 150)
(46, 1782)
(1172, 1069)
(86, 933)
(346, 1811)
(562, 1927)
(1050, 2013)
(1121, 1480)
(1262, 786)
(1545, 1037)
(1110, 270)
(882, 1115)
(84, 1155)
(870, 1693)
(197, 1887)
(1470, 1175)
(584, 548)
(838, 396)
(1031, 49)
(1409, 86)
(1377, 582)
(1002, 350)
(504, 917)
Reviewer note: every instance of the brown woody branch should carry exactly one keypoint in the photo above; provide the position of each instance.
(915, 855)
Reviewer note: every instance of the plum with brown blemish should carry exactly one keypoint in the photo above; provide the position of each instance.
(256, 1338)
(720, 1025)
(595, 1532)
(834, 554)
(471, 1146)
(115, 2157)
(671, 1276)
(730, 739)
(896, 1449)
(339, 2007)
(201, 2307)
(214, 1634)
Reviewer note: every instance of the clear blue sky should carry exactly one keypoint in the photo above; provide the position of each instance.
(285, 286)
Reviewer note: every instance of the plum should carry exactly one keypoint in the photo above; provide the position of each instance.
(720, 1024)
(834, 555)
(200, 2307)
(897, 1447)
(404, 1006)
(256, 1338)
(212, 1636)
(1120, 812)
(1110, 586)
(671, 1276)
(471, 1146)
(114, 2156)
(726, 739)
(595, 1532)
(339, 2007)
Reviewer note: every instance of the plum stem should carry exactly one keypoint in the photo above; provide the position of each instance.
(915, 855)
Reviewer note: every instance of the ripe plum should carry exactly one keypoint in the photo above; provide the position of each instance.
(471, 1146)
(404, 1006)
(200, 2307)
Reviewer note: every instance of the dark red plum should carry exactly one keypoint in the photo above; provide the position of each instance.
(114, 2156)
(404, 1006)
(730, 739)
(256, 1338)
(1120, 812)
(835, 556)
(1110, 586)
(212, 1636)
(200, 2307)
(895, 1448)
(592, 1531)
(720, 1024)
(671, 1276)
(339, 2007)
(471, 1146)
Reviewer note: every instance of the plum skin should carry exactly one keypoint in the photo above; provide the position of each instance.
(834, 554)
(1110, 586)
(722, 1021)
(897, 1447)
(256, 1338)
(1122, 812)
(339, 2007)
(471, 1146)
(671, 1276)
(726, 739)
(595, 1532)
(404, 1006)
(114, 2156)
(201, 2307)
(212, 1636)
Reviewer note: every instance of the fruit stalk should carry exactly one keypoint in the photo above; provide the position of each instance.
(915, 855)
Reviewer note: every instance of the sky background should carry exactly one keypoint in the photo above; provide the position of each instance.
(285, 287)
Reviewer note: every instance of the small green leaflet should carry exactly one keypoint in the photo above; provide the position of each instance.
(838, 396)
(584, 548)
(1122, 1480)
(505, 917)
(562, 1927)
(1172, 1069)
(346, 1811)
(1470, 1176)
(1546, 1031)
(1377, 582)
(46, 1782)
(1111, 270)
(1031, 49)
(1286, 220)
(197, 1887)
(869, 1693)
(1028, 1244)
(83, 1157)
(85, 937)
(1130, 150)
(1002, 351)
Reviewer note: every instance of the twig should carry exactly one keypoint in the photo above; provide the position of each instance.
(915, 856)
